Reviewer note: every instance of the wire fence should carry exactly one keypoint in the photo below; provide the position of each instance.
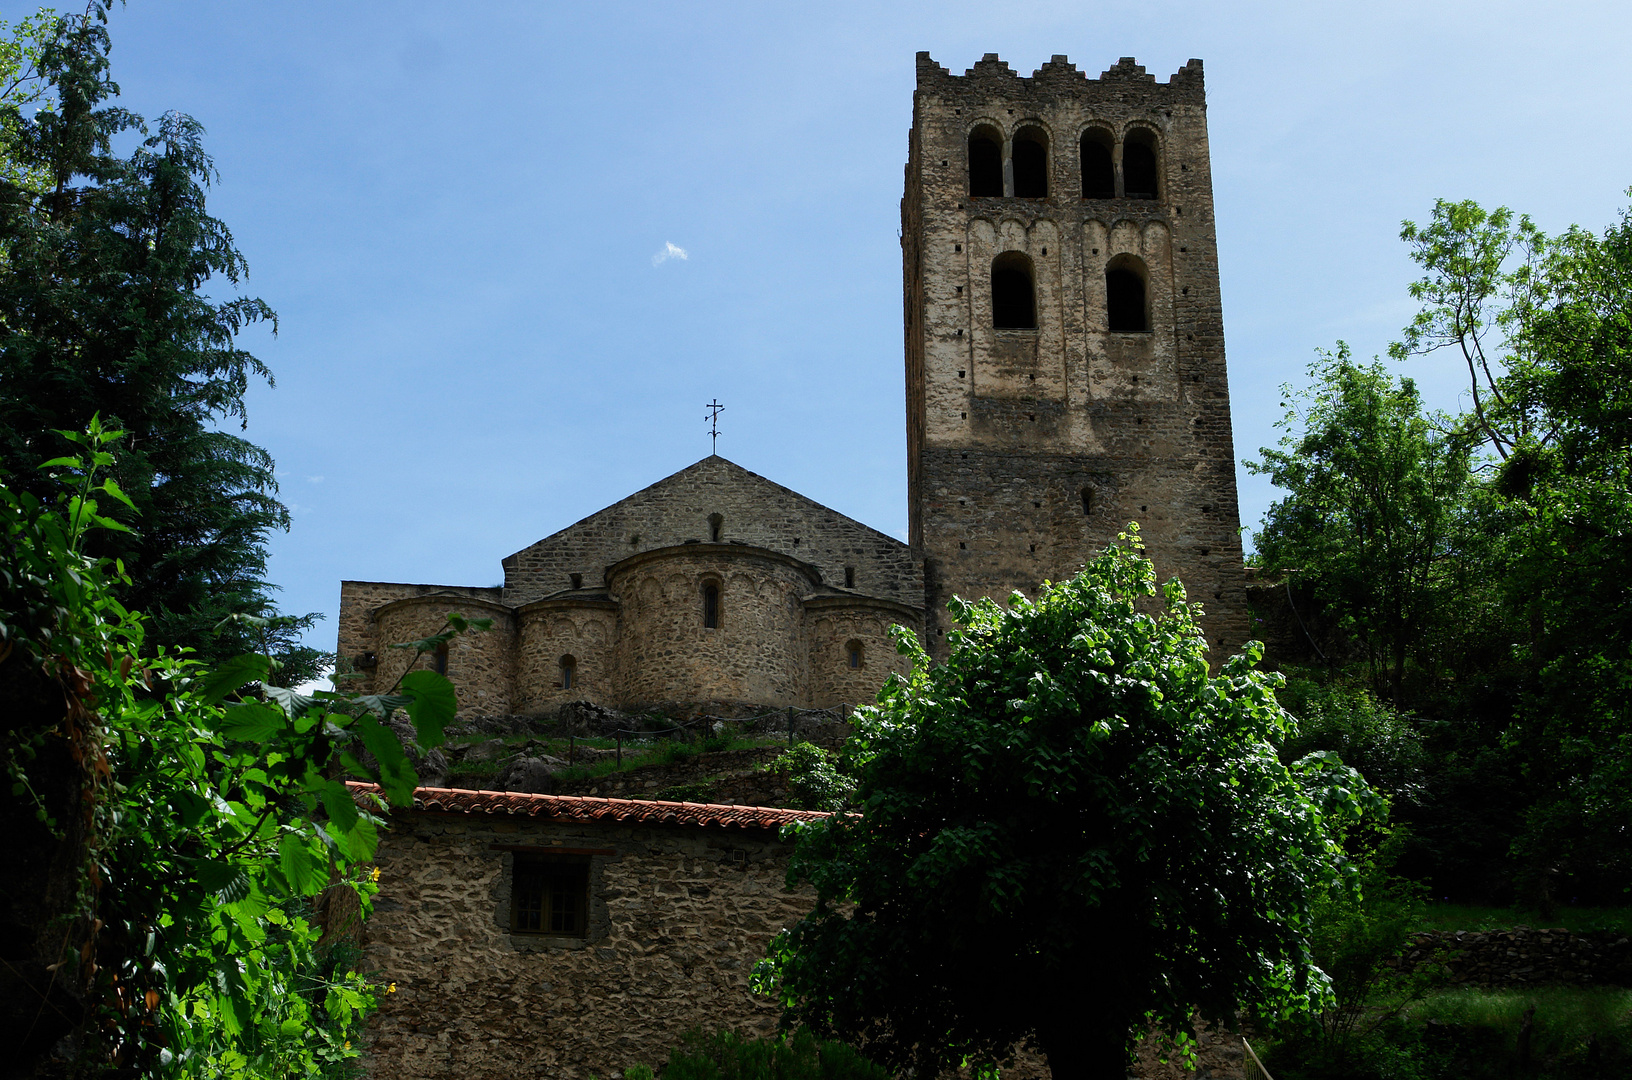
(1251, 1066)
(667, 728)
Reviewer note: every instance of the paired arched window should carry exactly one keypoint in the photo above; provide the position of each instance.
(711, 605)
(1014, 293)
(1126, 309)
(1028, 163)
(1030, 160)
(985, 162)
(1141, 169)
(569, 672)
(1139, 172)
(1098, 170)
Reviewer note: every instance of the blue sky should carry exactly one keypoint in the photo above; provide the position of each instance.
(455, 210)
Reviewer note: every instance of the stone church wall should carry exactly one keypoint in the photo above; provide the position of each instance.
(551, 631)
(479, 663)
(755, 655)
(751, 511)
(831, 626)
(681, 914)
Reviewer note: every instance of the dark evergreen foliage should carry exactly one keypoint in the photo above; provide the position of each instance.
(103, 311)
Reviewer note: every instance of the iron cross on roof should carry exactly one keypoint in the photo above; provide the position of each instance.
(714, 410)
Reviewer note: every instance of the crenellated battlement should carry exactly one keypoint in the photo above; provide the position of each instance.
(991, 72)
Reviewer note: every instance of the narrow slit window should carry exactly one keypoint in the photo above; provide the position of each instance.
(577, 580)
(1014, 301)
(852, 655)
(569, 672)
(715, 523)
(985, 163)
(439, 659)
(1087, 500)
(711, 605)
(850, 577)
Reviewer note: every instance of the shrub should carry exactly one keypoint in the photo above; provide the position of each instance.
(814, 782)
(725, 1055)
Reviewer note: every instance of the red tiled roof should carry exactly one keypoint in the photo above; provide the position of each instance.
(585, 808)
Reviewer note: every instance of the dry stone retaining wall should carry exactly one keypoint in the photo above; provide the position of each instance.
(1525, 957)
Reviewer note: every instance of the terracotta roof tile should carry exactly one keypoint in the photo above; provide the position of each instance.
(585, 808)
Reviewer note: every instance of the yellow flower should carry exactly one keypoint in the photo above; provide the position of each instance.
(391, 989)
(375, 876)
(348, 1044)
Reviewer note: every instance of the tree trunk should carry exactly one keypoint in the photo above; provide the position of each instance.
(42, 986)
(1084, 1047)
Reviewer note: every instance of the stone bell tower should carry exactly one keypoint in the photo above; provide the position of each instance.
(1064, 339)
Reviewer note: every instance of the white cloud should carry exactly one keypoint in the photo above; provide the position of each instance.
(314, 479)
(670, 251)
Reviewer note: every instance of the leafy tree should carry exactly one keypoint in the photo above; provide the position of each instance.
(103, 312)
(1069, 831)
(177, 845)
(21, 87)
(1547, 323)
(1374, 493)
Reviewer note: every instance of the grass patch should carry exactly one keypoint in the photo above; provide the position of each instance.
(1442, 916)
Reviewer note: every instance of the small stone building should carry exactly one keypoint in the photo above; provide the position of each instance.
(713, 585)
(563, 937)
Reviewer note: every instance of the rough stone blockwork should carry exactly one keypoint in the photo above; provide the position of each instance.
(679, 915)
(1031, 446)
(1525, 957)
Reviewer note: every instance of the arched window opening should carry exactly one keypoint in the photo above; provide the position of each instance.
(1125, 296)
(569, 672)
(714, 523)
(1030, 156)
(1087, 500)
(439, 659)
(711, 605)
(1098, 173)
(852, 654)
(1139, 173)
(849, 577)
(985, 163)
(1014, 301)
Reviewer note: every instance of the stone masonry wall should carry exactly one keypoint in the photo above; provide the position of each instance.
(830, 627)
(359, 634)
(680, 915)
(550, 630)
(479, 664)
(1523, 956)
(665, 653)
(752, 511)
(1030, 449)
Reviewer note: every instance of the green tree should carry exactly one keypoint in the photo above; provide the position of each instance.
(1374, 495)
(1546, 323)
(1069, 831)
(103, 312)
(177, 844)
(21, 87)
